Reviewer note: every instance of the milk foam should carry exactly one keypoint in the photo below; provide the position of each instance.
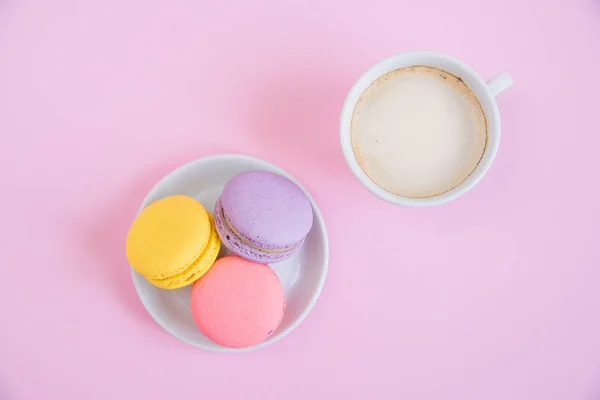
(418, 131)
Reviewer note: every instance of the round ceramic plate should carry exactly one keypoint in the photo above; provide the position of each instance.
(302, 276)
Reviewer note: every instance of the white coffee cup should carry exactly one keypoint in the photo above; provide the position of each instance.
(485, 92)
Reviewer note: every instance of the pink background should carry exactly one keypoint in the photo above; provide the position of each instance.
(494, 296)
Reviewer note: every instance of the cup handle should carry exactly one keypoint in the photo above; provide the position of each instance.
(499, 83)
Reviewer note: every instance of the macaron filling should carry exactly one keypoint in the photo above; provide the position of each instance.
(252, 243)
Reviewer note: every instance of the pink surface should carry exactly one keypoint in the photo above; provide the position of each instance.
(238, 303)
(494, 296)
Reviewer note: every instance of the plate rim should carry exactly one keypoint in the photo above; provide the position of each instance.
(316, 290)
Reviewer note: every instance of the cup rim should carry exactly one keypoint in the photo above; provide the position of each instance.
(459, 190)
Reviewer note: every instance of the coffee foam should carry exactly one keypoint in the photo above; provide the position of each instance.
(418, 131)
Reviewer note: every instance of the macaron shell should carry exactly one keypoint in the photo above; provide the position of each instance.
(238, 303)
(167, 237)
(198, 268)
(267, 208)
(243, 249)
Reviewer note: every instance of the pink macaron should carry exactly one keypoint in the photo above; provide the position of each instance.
(238, 303)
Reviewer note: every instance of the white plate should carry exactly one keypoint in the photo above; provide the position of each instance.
(302, 276)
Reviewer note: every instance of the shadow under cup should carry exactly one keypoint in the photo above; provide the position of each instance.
(478, 86)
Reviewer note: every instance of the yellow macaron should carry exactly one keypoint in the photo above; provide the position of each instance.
(172, 242)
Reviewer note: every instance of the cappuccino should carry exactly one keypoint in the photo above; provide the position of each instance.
(418, 131)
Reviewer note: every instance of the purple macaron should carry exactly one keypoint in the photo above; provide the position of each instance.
(263, 217)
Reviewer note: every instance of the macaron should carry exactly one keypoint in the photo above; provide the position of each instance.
(238, 303)
(262, 216)
(172, 242)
